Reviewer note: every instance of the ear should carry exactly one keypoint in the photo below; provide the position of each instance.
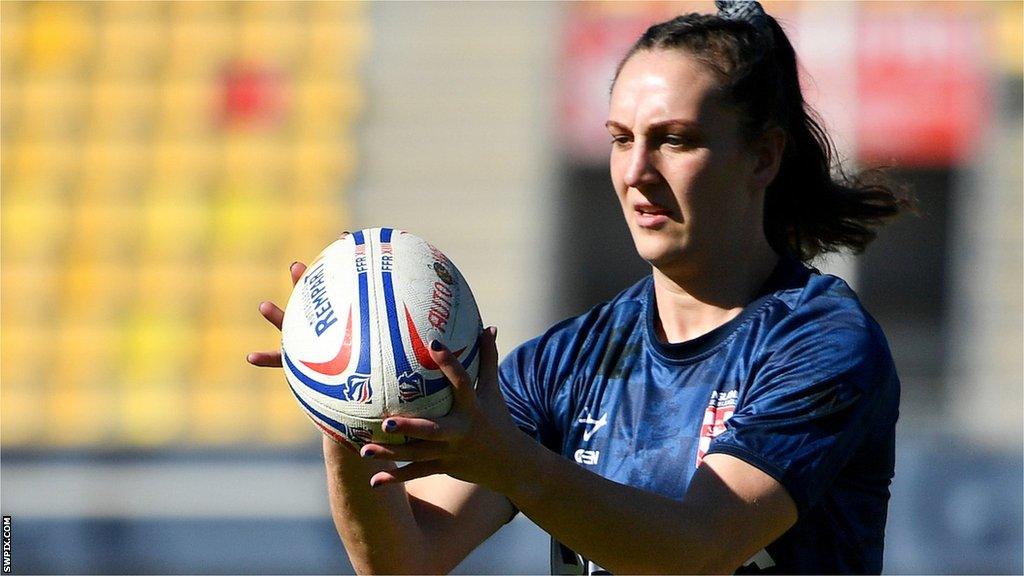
(768, 150)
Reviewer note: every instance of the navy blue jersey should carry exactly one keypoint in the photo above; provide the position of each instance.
(801, 385)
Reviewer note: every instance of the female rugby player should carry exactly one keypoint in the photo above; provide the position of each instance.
(733, 411)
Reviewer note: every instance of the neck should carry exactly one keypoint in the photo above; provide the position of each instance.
(694, 302)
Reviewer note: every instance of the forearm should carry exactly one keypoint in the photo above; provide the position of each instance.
(621, 528)
(376, 525)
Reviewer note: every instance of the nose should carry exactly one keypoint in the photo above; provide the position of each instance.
(640, 170)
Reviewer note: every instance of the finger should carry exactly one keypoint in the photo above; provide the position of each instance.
(438, 430)
(272, 313)
(296, 269)
(264, 359)
(412, 452)
(462, 386)
(406, 473)
(488, 375)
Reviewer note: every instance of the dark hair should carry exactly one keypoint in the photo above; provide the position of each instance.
(812, 207)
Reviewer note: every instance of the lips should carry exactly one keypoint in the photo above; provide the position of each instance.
(650, 215)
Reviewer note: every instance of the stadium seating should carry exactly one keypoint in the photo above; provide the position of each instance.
(162, 163)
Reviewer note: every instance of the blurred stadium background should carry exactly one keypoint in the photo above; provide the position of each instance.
(164, 162)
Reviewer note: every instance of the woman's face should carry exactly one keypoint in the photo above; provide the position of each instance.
(689, 185)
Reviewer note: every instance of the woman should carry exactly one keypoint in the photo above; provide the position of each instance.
(734, 411)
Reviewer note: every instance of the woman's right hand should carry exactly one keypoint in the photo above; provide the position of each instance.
(273, 313)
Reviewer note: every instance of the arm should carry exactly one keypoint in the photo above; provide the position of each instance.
(426, 526)
(731, 510)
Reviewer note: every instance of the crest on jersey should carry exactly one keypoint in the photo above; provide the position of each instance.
(720, 408)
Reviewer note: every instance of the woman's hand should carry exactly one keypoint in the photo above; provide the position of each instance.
(274, 315)
(476, 442)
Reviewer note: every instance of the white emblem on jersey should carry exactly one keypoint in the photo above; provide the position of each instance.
(587, 456)
(597, 424)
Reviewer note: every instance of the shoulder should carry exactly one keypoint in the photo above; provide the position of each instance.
(823, 330)
(559, 346)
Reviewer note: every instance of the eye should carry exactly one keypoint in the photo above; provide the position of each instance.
(621, 140)
(678, 141)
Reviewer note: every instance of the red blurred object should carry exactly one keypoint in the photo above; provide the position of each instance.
(253, 95)
(922, 88)
(591, 49)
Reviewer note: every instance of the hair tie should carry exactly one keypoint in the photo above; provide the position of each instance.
(744, 10)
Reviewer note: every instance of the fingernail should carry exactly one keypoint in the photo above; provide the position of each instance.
(390, 425)
(367, 453)
(436, 345)
(494, 331)
(375, 483)
(293, 264)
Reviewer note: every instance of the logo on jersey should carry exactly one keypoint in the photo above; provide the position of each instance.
(720, 408)
(593, 425)
(589, 457)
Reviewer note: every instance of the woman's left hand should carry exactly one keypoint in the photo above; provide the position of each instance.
(476, 442)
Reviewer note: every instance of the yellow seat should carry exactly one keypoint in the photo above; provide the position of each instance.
(61, 37)
(20, 409)
(311, 227)
(222, 415)
(79, 416)
(247, 229)
(159, 346)
(40, 166)
(170, 292)
(87, 353)
(12, 41)
(233, 291)
(281, 419)
(335, 47)
(33, 229)
(151, 413)
(51, 110)
(326, 110)
(104, 232)
(27, 350)
(121, 115)
(112, 171)
(94, 292)
(174, 230)
(30, 294)
(187, 112)
(183, 168)
(132, 39)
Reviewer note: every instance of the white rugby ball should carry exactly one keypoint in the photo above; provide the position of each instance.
(356, 332)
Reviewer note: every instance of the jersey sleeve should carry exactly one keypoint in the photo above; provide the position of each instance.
(824, 384)
(533, 378)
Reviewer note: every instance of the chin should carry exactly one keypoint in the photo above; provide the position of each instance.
(659, 251)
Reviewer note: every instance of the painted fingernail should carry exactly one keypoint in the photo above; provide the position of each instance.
(436, 345)
(390, 425)
(368, 453)
(292, 265)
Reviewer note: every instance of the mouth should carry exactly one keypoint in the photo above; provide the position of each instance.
(651, 215)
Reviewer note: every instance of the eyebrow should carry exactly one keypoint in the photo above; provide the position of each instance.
(673, 123)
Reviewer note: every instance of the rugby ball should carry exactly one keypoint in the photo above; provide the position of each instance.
(357, 328)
